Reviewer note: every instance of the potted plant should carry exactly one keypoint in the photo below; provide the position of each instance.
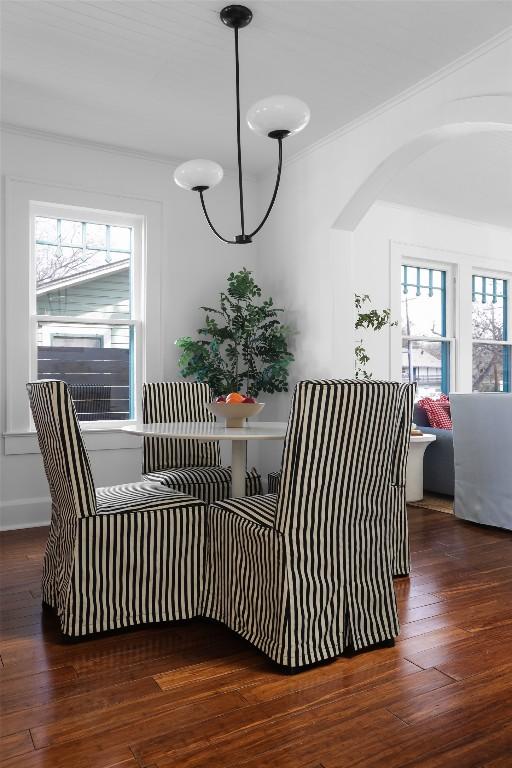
(242, 345)
(371, 318)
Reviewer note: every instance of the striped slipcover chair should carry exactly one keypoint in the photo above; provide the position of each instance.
(189, 466)
(273, 480)
(309, 572)
(399, 527)
(399, 530)
(117, 556)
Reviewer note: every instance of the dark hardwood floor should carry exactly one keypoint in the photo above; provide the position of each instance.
(194, 695)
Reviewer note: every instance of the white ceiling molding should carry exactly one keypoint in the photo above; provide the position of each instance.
(98, 146)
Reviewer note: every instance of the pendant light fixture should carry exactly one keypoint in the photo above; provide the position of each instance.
(276, 117)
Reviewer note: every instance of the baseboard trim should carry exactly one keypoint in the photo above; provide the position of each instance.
(25, 513)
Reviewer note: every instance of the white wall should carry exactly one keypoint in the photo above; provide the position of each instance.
(390, 231)
(307, 247)
(193, 268)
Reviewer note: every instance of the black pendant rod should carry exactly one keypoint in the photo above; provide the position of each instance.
(201, 192)
(278, 179)
(238, 143)
(236, 17)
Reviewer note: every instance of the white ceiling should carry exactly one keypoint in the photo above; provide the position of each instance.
(469, 177)
(157, 75)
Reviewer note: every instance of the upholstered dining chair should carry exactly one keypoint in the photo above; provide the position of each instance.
(398, 523)
(189, 466)
(117, 556)
(399, 529)
(308, 573)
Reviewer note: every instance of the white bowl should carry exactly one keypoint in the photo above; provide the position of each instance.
(235, 413)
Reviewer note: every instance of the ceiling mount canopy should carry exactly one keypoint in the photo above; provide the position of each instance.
(275, 117)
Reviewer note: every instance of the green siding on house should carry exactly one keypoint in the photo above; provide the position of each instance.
(105, 297)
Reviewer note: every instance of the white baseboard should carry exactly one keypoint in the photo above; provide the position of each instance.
(25, 513)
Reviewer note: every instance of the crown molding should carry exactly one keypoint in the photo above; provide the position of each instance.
(441, 74)
(98, 146)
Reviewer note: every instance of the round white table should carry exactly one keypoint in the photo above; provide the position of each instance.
(414, 477)
(210, 430)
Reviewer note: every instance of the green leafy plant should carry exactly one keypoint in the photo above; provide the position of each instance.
(373, 319)
(242, 345)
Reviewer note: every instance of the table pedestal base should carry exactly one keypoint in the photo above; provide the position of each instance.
(238, 468)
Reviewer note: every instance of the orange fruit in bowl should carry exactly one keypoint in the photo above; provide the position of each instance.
(235, 397)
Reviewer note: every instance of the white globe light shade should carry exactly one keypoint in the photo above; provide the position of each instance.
(278, 113)
(198, 173)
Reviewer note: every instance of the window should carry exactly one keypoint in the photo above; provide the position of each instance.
(425, 343)
(491, 352)
(85, 320)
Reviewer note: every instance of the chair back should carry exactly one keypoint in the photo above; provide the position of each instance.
(335, 510)
(482, 445)
(62, 447)
(166, 401)
(338, 455)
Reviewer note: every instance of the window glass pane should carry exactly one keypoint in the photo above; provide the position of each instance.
(423, 302)
(491, 368)
(489, 308)
(83, 281)
(120, 238)
(71, 232)
(114, 257)
(426, 363)
(46, 229)
(96, 294)
(95, 361)
(48, 261)
(96, 235)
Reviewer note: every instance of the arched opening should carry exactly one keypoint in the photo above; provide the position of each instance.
(463, 118)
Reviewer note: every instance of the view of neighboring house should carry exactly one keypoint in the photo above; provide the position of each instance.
(102, 292)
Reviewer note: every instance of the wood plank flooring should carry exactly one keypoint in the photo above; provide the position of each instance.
(193, 695)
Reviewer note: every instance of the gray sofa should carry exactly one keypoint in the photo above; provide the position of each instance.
(438, 465)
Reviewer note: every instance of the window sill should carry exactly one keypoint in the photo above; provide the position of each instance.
(96, 439)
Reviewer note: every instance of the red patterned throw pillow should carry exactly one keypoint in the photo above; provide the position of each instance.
(438, 411)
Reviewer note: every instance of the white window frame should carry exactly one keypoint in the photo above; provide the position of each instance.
(462, 267)
(507, 278)
(416, 256)
(21, 198)
(136, 320)
(449, 337)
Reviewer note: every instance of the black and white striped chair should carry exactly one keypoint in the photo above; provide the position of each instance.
(273, 481)
(118, 556)
(188, 466)
(309, 572)
(399, 530)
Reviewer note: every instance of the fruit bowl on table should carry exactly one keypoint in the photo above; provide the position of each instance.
(235, 413)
